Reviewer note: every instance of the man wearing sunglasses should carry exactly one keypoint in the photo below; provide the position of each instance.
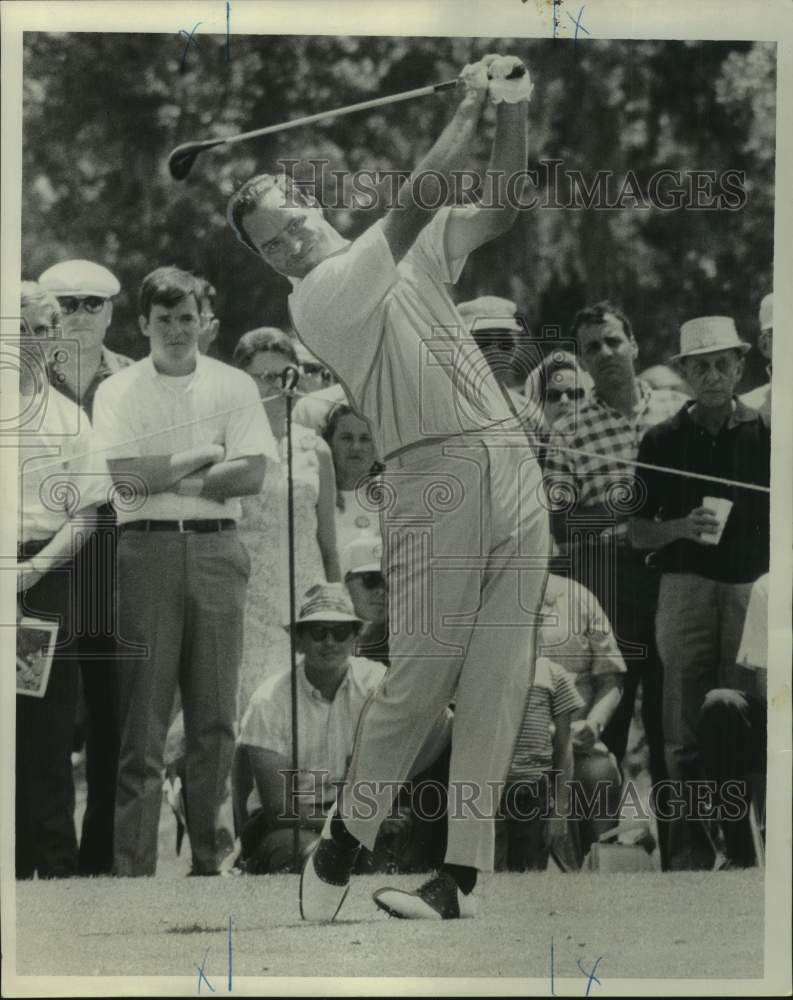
(332, 688)
(84, 291)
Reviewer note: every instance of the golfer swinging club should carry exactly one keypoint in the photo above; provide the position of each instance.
(465, 533)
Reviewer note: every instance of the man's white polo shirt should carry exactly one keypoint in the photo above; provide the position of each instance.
(326, 729)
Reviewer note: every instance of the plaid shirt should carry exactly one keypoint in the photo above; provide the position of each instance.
(574, 480)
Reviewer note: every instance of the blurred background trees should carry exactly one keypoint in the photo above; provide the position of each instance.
(102, 112)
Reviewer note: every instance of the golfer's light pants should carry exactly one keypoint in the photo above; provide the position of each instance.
(467, 539)
(182, 598)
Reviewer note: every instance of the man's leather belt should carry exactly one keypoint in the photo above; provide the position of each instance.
(203, 526)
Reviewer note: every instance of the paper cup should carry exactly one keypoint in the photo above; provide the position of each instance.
(720, 508)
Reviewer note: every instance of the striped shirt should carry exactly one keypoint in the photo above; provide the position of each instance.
(552, 695)
(590, 480)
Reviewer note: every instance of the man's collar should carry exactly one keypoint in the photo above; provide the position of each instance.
(314, 692)
(643, 390)
(741, 414)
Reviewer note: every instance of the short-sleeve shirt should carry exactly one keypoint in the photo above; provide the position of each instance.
(60, 469)
(395, 341)
(552, 695)
(326, 729)
(741, 452)
(576, 634)
(109, 363)
(605, 434)
(138, 412)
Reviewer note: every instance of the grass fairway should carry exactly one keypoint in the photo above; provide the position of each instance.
(703, 925)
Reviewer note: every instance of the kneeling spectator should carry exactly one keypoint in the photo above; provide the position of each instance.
(531, 797)
(332, 688)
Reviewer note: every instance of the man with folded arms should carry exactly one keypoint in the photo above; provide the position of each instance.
(712, 543)
(85, 292)
(185, 437)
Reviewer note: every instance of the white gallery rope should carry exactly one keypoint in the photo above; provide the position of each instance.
(606, 459)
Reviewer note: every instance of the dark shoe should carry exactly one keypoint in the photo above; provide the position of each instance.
(438, 899)
(325, 880)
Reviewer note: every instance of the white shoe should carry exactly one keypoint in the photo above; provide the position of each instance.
(438, 899)
(325, 880)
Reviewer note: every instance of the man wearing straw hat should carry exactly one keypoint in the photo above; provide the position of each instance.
(711, 538)
(465, 532)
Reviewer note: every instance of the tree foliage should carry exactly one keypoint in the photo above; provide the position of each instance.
(102, 111)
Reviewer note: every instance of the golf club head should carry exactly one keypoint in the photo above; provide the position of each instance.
(181, 159)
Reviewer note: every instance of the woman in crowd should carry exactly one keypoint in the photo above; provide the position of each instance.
(264, 354)
(353, 457)
(557, 385)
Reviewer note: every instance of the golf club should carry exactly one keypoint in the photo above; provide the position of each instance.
(182, 158)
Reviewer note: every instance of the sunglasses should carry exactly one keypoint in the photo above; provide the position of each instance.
(339, 633)
(71, 303)
(371, 580)
(555, 395)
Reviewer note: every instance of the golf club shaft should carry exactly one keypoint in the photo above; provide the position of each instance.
(376, 102)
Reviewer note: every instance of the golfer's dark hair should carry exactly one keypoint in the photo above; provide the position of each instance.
(263, 339)
(248, 197)
(596, 314)
(165, 286)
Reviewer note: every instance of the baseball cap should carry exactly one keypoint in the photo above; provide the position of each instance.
(80, 277)
(326, 602)
(363, 554)
(489, 312)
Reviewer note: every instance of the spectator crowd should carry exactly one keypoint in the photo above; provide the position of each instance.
(197, 536)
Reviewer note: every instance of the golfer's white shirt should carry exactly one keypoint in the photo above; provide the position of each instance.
(326, 729)
(60, 470)
(395, 340)
(138, 412)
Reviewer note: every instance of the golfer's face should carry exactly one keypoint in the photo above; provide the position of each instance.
(293, 239)
(173, 332)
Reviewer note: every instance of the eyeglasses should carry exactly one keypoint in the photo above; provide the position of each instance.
(71, 303)
(340, 633)
(371, 580)
(555, 395)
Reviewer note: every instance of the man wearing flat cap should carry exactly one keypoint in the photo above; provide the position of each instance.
(760, 398)
(84, 291)
(711, 543)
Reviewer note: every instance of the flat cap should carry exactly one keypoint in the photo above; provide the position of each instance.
(80, 277)
(489, 312)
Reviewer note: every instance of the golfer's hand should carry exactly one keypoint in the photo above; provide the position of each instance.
(699, 522)
(584, 735)
(474, 78)
(502, 88)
